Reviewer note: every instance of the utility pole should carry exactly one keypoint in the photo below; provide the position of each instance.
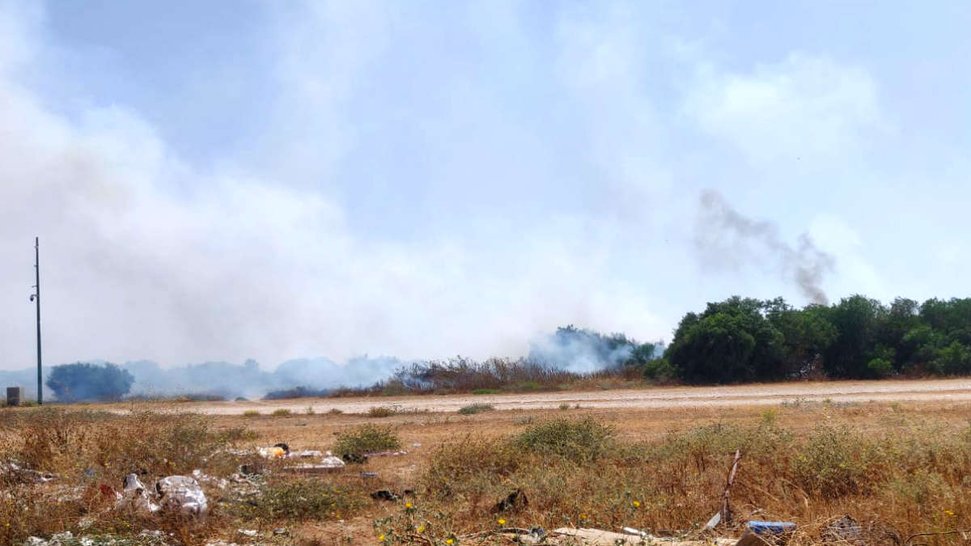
(35, 297)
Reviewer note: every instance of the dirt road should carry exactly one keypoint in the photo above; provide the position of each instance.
(955, 390)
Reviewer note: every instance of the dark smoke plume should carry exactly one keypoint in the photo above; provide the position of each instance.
(723, 235)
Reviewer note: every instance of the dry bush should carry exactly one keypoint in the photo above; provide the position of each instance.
(89, 453)
(475, 408)
(302, 499)
(381, 411)
(576, 440)
(896, 483)
(354, 444)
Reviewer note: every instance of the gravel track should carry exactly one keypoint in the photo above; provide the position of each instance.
(935, 390)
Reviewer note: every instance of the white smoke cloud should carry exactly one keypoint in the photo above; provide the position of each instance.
(144, 255)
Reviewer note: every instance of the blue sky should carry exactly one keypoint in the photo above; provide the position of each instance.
(224, 180)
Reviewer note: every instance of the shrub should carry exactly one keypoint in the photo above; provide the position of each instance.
(577, 440)
(486, 391)
(251, 413)
(297, 392)
(381, 411)
(282, 412)
(834, 463)
(473, 463)
(353, 445)
(476, 408)
(302, 500)
(660, 370)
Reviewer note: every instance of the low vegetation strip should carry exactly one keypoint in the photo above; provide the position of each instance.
(896, 471)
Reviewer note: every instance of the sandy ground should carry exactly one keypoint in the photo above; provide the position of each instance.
(941, 390)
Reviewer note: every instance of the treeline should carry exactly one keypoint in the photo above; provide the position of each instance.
(743, 340)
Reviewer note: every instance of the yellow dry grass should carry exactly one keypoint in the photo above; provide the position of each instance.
(905, 466)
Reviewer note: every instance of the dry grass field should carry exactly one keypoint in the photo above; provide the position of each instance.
(898, 468)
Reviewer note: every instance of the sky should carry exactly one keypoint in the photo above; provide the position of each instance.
(227, 180)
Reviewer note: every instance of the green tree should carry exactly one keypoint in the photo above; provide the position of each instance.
(858, 321)
(806, 334)
(84, 381)
(730, 342)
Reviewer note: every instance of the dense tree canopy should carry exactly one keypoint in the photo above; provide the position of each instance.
(741, 340)
(84, 381)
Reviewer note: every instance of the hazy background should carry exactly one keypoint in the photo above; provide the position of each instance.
(226, 180)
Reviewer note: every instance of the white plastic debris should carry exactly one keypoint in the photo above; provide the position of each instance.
(17, 472)
(305, 453)
(182, 494)
(386, 453)
(332, 462)
(202, 477)
(136, 496)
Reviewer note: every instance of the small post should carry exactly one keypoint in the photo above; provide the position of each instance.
(726, 511)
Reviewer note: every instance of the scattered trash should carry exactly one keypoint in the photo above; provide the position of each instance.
(330, 460)
(598, 537)
(385, 495)
(771, 527)
(108, 492)
(182, 494)
(844, 530)
(764, 533)
(632, 531)
(278, 451)
(135, 496)
(248, 532)
(12, 472)
(312, 469)
(354, 458)
(385, 454)
(272, 452)
(515, 501)
(416, 444)
(202, 477)
(280, 531)
(248, 470)
(369, 475)
(145, 538)
(305, 453)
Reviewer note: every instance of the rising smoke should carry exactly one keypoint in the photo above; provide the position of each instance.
(725, 236)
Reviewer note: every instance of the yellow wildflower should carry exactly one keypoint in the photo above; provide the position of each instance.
(636, 504)
(501, 521)
(948, 513)
(450, 541)
(408, 505)
(421, 529)
(381, 538)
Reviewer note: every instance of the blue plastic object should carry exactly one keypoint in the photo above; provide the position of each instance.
(771, 527)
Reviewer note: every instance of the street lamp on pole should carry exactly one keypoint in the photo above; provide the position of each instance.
(35, 297)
